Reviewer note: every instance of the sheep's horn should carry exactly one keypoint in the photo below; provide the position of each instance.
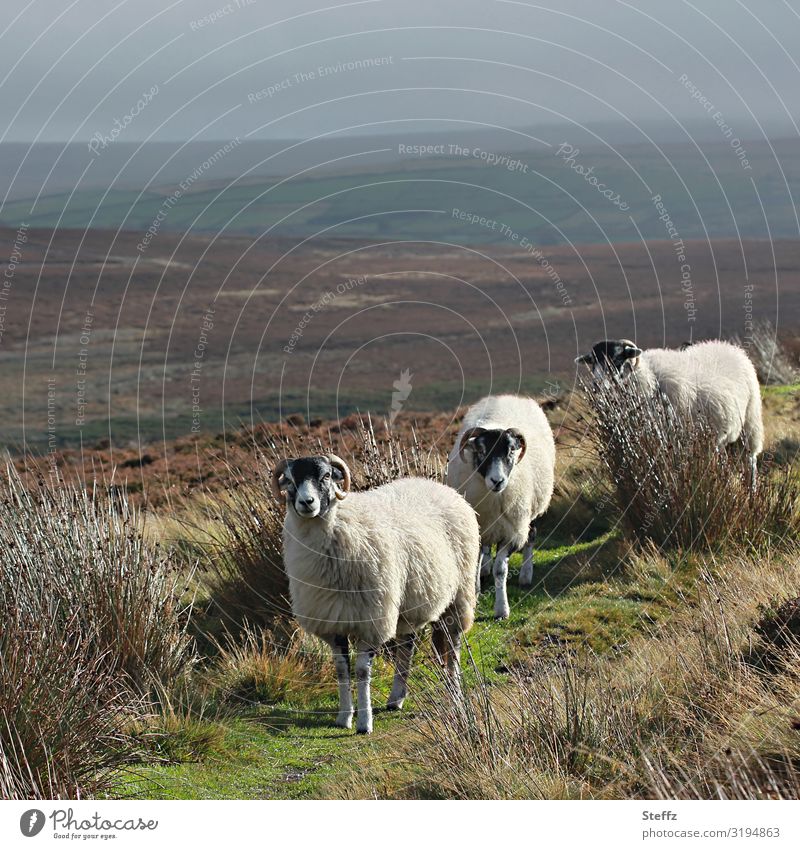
(338, 463)
(276, 479)
(521, 437)
(465, 438)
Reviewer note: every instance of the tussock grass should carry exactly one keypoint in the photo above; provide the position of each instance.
(257, 669)
(93, 633)
(774, 364)
(673, 487)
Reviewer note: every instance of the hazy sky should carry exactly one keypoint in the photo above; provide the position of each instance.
(70, 70)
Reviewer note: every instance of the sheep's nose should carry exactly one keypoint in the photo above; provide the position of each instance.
(496, 482)
(307, 502)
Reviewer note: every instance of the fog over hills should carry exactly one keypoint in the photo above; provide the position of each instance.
(562, 186)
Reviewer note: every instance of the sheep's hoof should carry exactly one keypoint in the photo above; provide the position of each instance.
(363, 730)
(502, 614)
(394, 706)
(344, 721)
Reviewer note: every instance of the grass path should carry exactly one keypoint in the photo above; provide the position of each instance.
(288, 751)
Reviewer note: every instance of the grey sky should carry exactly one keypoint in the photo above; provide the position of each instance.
(70, 68)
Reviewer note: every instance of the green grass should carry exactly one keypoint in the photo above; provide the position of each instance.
(291, 750)
(791, 389)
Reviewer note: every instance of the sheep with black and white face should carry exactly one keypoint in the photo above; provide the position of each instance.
(375, 567)
(503, 463)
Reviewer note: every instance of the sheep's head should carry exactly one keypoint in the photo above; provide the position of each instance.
(311, 485)
(611, 357)
(494, 454)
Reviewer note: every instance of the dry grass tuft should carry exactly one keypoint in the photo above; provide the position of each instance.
(672, 486)
(256, 668)
(773, 362)
(93, 633)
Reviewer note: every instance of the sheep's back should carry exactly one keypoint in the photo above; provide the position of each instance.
(713, 378)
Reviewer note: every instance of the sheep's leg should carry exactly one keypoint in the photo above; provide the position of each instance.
(403, 653)
(486, 560)
(501, 608)
(366, 654)
(753, 472)
(526, 572)
(446, 638)
(341, 659)
(455, 660)
(484, 566)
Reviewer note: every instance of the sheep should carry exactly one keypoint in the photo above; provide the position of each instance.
(375, 567)
(503, 463)
(714, 378)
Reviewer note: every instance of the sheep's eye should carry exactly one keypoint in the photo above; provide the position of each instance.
(326, 477)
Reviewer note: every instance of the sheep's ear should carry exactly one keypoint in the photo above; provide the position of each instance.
(630, 351)
(337, 474)
(585, 359)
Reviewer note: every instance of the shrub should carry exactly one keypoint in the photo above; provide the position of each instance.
(773, 363)
(62, 713)
(93, 631)
(673, 486)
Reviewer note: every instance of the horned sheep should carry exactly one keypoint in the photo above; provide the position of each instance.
(376, 567)
(503, 463)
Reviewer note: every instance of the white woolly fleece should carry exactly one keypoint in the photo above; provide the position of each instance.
(505, 517)
(715, 378)
(383, 562)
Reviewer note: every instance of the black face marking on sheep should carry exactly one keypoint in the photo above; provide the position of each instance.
(311, 485)
(495, 454)
(611, 357)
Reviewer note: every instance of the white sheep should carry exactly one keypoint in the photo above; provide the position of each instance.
(376, 567)
(503, 463)
(715, 379)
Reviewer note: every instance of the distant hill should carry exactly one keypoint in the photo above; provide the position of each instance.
(532, 193)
